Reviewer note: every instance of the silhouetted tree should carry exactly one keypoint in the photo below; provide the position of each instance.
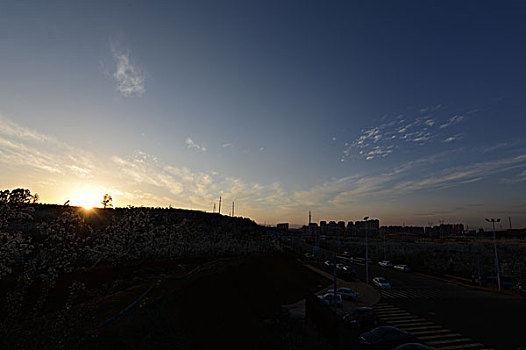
(107, 201)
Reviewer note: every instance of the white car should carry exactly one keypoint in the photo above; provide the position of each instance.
(381, 283)
(332, 299)
(385, 263)
(346, 293)
(402, 267)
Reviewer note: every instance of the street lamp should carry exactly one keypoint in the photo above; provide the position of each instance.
(493, 221)
(366, 253)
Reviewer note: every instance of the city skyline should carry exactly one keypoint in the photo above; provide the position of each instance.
(409, 112)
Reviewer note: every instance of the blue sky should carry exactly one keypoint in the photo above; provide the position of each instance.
(411, 112)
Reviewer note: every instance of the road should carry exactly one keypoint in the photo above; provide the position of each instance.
(475, 316)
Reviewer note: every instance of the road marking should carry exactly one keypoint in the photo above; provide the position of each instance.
(434, 331)
(448, 341)
(429, 337)
(409, 320)
(393, 315)
(387, 307)
(418, 328)
(464, 346)
(412, 323)
(389, 313)
(397, 317)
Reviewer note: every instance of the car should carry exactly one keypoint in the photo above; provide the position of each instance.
(381, 283)
(346, 293)
(339, 267)
(402, 267)
(521, 288)
(309, 255)
(361, 316)
(385, 337)
(414, 346)
(348, 270)
(331, 299)
(385, 263)
(328, 263)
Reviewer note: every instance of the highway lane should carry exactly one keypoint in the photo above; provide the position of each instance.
(494, 319)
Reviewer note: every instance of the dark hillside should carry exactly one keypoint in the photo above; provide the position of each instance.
(229, 306)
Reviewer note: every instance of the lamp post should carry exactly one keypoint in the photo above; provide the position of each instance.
(366, 253)
(493, 221)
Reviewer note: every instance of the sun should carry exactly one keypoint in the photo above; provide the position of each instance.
(87, 200)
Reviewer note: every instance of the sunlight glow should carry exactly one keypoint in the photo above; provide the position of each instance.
(87, 199)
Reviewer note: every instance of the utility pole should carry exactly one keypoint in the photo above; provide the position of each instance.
(214, 210)
(335, 279)
(366, 252)
(493, 221)
(384, 245)
(509, 218)
(309, 217)
(478, 268)
(232, 208)
(219, 204)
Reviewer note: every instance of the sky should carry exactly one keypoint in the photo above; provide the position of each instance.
(411, 112)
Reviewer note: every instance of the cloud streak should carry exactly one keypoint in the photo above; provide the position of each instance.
(129, 77)
(401, 132)
(190, 144)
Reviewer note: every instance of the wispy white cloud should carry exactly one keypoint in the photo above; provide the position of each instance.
(408, 178)
(227, 145)
(190, 144)
(430, 122)
(401, 131)
(451, 121)
(520, 177)
(24, 147)
(129, 77)
(193, 189)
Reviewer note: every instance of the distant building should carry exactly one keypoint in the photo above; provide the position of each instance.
(412, 230)
(371, 226)
(283, 227)
(445, 230)
(311, 229)
(324, 229)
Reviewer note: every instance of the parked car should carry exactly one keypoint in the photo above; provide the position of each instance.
(521, 288)
(346, 293)
(414, 346)
(332, 299)
(402, 267)
(349, 271)
(361, 316)
(385, 263)
(385, 337)
(339, 267)
(328, 263)
(381, 283)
